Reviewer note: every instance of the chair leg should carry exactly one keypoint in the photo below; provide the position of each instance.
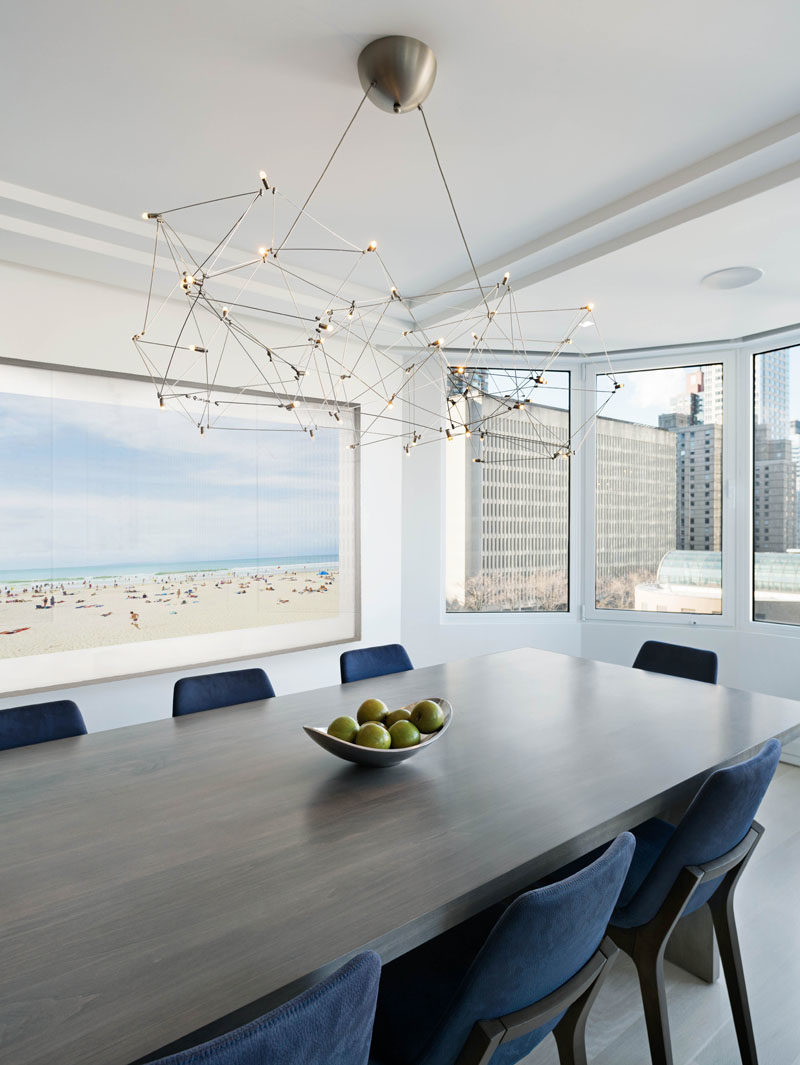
(570, 1036)
(570, 1032)
(721, 906)
(650, 970)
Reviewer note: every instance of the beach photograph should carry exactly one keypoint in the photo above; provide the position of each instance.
(112, 516)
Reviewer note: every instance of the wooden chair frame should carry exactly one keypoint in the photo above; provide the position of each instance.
(576, 997)
(646, 946)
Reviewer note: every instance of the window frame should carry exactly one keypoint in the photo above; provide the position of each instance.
(676, 358)
(746, 455)
(571, 366)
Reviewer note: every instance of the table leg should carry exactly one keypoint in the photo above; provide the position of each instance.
(692, 946)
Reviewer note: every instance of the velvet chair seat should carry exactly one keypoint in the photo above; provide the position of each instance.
(718, 818)
(675, 660)
(366, 662)
(676, 871)
(214, 690)
(329, 1024)
(502, 961)
(22, 726)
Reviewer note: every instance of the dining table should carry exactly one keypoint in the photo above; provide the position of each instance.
(166, 881)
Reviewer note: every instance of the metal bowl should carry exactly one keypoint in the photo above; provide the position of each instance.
(369, 756)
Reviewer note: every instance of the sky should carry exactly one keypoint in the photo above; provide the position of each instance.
(88, 484)
(648, 393)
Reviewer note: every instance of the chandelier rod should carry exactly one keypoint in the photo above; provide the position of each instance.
(452, 204)
(325, 170)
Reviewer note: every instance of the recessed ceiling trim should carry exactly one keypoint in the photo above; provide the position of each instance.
(783, 175)
(717, 161)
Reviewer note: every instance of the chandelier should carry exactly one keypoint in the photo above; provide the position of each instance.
(316, 326)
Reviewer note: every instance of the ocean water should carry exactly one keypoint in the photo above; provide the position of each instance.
(154, 570)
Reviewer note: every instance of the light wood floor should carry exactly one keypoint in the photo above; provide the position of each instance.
(768, 918)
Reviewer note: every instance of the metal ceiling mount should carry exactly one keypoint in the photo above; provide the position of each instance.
(400, 70)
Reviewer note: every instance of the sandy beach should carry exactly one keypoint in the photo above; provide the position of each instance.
(38, 618)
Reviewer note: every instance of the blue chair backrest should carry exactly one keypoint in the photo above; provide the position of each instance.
(213, 690)
(677, 661)
(21, 726)
(718, 818)
(542, 939)
(369, 662)
(330, 1024)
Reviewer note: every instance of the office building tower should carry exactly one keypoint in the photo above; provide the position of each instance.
(508, 513)
(698, 479)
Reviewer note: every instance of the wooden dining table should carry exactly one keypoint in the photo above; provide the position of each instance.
(165, 881)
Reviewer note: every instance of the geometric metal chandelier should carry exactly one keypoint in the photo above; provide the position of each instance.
(314, 324)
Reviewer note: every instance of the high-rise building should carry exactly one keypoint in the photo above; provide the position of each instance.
(699, 476)
(774, 493)
(508, 514)
(772, 394)
(774, 468)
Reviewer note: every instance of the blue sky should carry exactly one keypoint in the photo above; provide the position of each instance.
(648, 393)
(87, 484)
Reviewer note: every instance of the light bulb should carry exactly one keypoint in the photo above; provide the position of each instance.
(449, 436)
(161, 401)
(337, 416)
(588, 307)
(459, 369)
(467, 432)
(506, 276)
(262, 252)
(373, 244)
(407, 449)
(225, 312)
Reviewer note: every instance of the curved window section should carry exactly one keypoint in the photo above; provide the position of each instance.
(659, 491)
(507, 517)
(776, 492)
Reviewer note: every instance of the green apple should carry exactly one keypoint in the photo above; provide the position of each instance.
(428, 716)
(343, 728)
(374, 735)
(396, 715)
(404, 734)
(371, 710)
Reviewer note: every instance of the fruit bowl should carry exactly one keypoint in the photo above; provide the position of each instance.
(369, 756)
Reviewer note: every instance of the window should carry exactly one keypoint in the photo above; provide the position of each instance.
(648, 499)
(776, 495)
(515, 558)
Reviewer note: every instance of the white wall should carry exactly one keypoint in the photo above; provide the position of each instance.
(73, 322)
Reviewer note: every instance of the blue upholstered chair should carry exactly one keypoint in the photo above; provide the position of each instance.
(369, 662)
(213, 690)
(329, 1024)
(496, 986)
(21, 726)
(675, 870)
(677, 661)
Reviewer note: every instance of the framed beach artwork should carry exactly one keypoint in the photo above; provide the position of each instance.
(130, 543)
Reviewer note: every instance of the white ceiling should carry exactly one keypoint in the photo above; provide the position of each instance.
(612, 152)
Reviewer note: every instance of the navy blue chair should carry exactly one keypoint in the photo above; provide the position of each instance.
(496, 986)
(675, 871)
(677, 661)
(369, 662)
(213, 690)
(329, 1024)
(21, 726)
